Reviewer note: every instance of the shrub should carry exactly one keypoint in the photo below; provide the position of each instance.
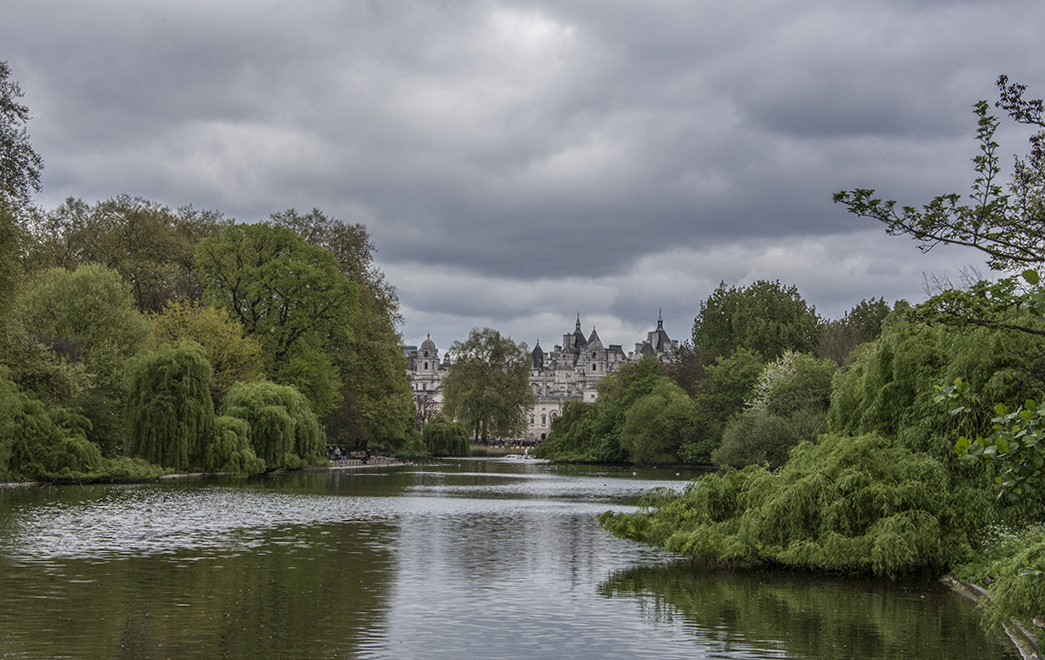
(445, 438)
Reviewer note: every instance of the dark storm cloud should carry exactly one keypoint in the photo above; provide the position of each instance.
(518, 162)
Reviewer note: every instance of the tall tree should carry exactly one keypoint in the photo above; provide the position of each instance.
(766, 317)
(149, 244)
(488, 387)
(288, 294)
(376, 403)
(20, 165)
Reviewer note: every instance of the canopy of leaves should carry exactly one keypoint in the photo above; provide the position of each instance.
(847, 504)
(41, 442)
(233, 356)
(488, 387)
(149, 244)
(87, 316)
(658, 424)
(288, 294)
(376, 398)
(766, 317)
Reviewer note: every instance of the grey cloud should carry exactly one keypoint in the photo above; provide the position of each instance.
(544, 151)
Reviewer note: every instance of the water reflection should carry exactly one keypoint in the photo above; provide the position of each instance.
(777, 614)
(490, 559)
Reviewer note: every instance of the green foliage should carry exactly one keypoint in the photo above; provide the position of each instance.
(891, 387)
(171, 412)
(443, 437)
(233, 356)
(150, 245)
(766, 317)
(1016, 443)
(86, 315)
(1016, 578)
(289, 295)
(847, 504)
(230, 450)
(758, 437)
(40, 442)
(283, 429)
(488, 387)
(861, 324)
(793, 382)
(657, 424)
(719, 397)
(572, 434)
(377, 401)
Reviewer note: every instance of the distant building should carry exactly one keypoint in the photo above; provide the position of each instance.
(568, 372)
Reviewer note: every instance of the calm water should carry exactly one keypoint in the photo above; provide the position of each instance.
(463, 559)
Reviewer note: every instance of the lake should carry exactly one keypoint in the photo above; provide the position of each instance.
(469, 558)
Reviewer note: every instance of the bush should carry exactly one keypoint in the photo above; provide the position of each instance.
(284, 431)
(857, 504)
(762, 438)
(445, 438)
(38, 442)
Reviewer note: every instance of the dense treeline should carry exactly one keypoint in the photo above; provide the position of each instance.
(929, 450)
(755, 381)
(137, 338)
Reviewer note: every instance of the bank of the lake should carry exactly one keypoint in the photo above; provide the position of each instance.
(458, 558)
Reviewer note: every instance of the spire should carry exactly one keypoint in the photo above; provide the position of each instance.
(578, 321)
(660, 319)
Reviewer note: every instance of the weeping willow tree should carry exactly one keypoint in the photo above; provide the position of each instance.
(171, 411)
(284, 431)
(230, 449)
(848, 504)
(443, 437)
(41, 442)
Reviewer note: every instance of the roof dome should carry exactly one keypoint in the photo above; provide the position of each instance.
(428, 345)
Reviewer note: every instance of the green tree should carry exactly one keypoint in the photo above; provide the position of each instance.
(43, 442)
(87, 321)
(20, 165)
(861, 324)
(766, 317)
(284, 430)
(289, 295)
(488, 387)
(443, 437)
(854, 504)
(376, 398)
(233, 356)
(658, 424)
(170, 408)
(86, 315)
(149, 244)
(793, 382)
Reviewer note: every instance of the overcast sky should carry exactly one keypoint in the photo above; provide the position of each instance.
(520, 162)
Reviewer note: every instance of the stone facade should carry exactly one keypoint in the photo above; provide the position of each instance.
(569, 371)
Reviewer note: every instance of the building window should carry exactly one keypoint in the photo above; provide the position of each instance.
(544, 420)
(424, 386)
(426, 355)
(426, 366)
